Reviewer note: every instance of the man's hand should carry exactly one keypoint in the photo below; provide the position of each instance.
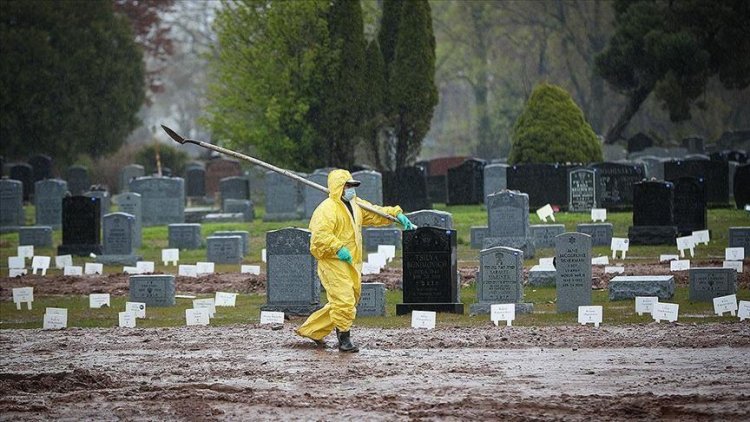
(405, 222)
(344, 254)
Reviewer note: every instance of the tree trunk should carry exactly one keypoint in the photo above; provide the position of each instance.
(634, 103)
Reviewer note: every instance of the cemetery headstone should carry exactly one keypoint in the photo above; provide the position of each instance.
(38, 236)
(372, 300)
(314, 197)
(625, 287)
(739, 237)
(235, 187)
(741, 186)
(500, 280)
(42, 166)
(573, 265)
(714, 173)
(292, 286)
(582, 190)
(371, 189)
(544, 234)
(653, 167)
(689, 205)
(245, 235)
(282, 198)
(128, 173)
(81, 226)
(706, 283)
(478, 233)
(616, 183)
(508, 215)
(153, 290)
(78, 179)
(184, 236)
(162, 199)
(195, 180)
(495, 179)
(431, 218)
(24, 174)
(240, 206)
(437, 188)
(406, 187)
(105, 199)
(374, 236)
(217, 169)
(224, 249)
(639, 142)
(601, 233)
(118, 245)
(430, 276)
(130, 203)
(653, 215)
(543, 183)
(11, 204)
(466, 183)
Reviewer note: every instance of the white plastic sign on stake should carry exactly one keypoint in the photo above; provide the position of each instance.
(679, 265)
(686, 242)
(250, 269)
(547, 262)
(62, 261)
(744, 310)
(370, 268)
(170, 255)
(600, 260)
(145, 267)
(619, 244)
(55, 319)
(225, 299)
(546, 211)
(16, 262)
(599, 214)
(667, 258)
(126, 319)
(590, 314)
(263, 254)
(377, 259)
(388, 250)
(15, 272)
(130, 270)
(701, 236)
(196, 316)
(645, 304)
(735, 265)
(92, 268)
(26, 251)
(734, 254)
(40, 263)
(270, 317)
(725, 304)
(23, 295)
(73, 270)
(208, 304)
(667, 311)
(98, 300)
(187, 270)
(503, 312)
(423, 319)
(614, 269)
(137, 308)
(205, 267)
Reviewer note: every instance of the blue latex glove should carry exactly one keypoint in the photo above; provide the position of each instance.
(344, 254)
(405, 222)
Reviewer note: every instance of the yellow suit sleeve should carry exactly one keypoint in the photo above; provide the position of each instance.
(372, 219)
(324, 243)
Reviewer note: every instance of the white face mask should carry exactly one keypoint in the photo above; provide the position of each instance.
(349, 194)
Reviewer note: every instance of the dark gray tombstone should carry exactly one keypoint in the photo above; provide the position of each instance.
(582, 190)
(162, 199)
(374, 236)
(544, 234)
(508, 215)
(217, 169)
(742, 186)
(706, 283)
(371, 300)
(184, 235)
(130, 203)
(714, 173)
(235, 187)
(78, 179)
(601, 233)
(653, 167)
(625, 287)
(25, 174)
(689, 205)
(500, 280)
(42, 166)
(11, 204)
(616, 182)
(37, 236)
(48, 196)
(653, 214)
(478, 233)
(240, 206)
(153, 290)
(573, 264)
(371, 189)
(431, 218)
(128, 173)
(314, 197)
(639, 142)
(104, 197)
(739, 237)
(244, 235)
(292, 285)
(543, 183)
(406, 187)
(282, 198)
(118, 245)
(195, 180)
(466, 183)
(81, 226)
(437, 188)
(430, 271)
(224, 249)
(495, 179)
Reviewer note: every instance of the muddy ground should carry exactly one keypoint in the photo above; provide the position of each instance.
(664, 371)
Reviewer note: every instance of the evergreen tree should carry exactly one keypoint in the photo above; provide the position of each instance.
(374, 103)
(389, 27)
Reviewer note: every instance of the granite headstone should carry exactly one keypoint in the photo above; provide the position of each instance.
(653, 214)
(217, 169)
(130, 203)
(314, 197)
(406, 187)
(78, 179)
(706, 283)
(739, 237)
(224, 249)
(582, 190)
(616, 183)
(184, 235)
(466, 183)
(601, 233)
(37, 236)
(128, 173)
(372, 300)
(543, 183)
(689, 205)
(495, 179)
(282, 198)
(573, 264)
(431, 218)
(625, 287)
(48, 196)
(292, 285)
(374, 236)
(500, 280)
(371, 189)
(11, 203)
(162, 199)
(25, 174)
(195, 180)
(544, 234)
(153, 290)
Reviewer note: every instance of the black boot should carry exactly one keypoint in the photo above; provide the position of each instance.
(345, 343)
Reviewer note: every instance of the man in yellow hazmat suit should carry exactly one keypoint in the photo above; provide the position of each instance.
(336, 227)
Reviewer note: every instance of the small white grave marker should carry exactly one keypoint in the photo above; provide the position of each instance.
(73, 270)
(645, 304)
(370, 268)
(225, 299)
(208, 304)
(92, 268)
(196, 316)
(701, 236)
(503, 312)
(686, 242)
(23, 295)
(599, 214)
(725, 304)
(547, 262)
(269, 317)
(546, 211)
(40, 263)
(205, 267)
(377, 259)
(600, 260)
(679, 265)
(590, 314)
(744, 310)
(667, 258)
(187, 270)
(170, 255)
(388, 250)
(250, 269)
(126, 319)
(15, 272)
(55, 319)
(619, 244)
(614, 269)
(668, 311)
(130, 270)
(423, 319)
(144, 267)
(735, 265)
(16, 262)
(26, 251)
(98, 300)
(734, 254)
(137, 308)
(263, 255)
(62, 261)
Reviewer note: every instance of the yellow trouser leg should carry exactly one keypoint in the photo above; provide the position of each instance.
(343, 290)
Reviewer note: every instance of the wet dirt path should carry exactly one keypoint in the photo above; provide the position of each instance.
(250, 372)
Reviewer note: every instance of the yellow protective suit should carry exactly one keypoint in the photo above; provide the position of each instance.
(332, 227)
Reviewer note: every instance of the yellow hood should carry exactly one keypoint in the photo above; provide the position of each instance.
(336, 181)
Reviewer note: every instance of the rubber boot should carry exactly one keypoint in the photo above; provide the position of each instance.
(345, 342)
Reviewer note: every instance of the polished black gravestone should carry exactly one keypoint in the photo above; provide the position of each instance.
(42, 165)
(466, 183)
(616, 183)
(195, 180)
(742, 186)
(714, 173)
(689, 205)
(544, 183)
(582, 190)
(24, 173)
(406, 187)
(430, 271)
(653, 214)
(81, 226)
